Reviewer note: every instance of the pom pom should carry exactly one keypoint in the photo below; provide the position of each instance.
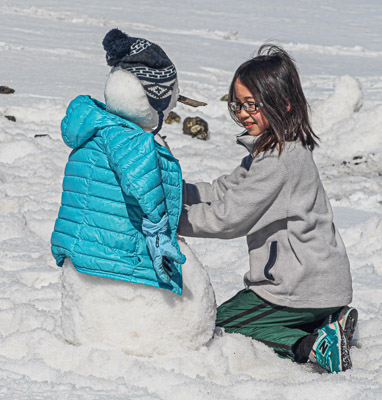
(116, 44)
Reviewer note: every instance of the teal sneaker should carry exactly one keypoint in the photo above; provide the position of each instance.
(330, 350)
(347, 317)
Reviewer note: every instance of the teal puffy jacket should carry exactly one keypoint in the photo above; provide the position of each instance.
(116, 174)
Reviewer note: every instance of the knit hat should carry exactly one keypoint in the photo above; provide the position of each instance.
(148, 62)
(151, 66)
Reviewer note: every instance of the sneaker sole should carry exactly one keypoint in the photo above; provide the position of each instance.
(345, 354)
(348, 324)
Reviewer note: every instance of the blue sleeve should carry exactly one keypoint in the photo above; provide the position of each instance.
(134, 159)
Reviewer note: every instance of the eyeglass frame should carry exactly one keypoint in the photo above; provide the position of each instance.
(244, 105)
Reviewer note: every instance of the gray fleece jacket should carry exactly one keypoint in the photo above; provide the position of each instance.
(297, 257)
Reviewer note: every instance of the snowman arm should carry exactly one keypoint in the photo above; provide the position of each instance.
(133, 158)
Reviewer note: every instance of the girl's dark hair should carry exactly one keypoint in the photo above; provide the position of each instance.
(273, 80)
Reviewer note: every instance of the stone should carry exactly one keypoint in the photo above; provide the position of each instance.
(172, 117)
(224, 98)
(6, 90)
(41, 135)
(195, 127)
(11, 118)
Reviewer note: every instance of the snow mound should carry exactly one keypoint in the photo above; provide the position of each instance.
(363, 242)
(141, 320)
(348, 130)
(346, 99)
(48, 111)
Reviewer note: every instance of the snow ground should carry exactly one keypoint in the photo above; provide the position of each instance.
(51, 51)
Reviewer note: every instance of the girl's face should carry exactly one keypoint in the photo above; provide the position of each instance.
(255, 122)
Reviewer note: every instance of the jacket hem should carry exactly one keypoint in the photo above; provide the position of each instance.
(120, 277)
(285, 301)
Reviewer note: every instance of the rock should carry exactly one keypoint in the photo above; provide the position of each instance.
(172, 117)
(224, 98)
(139, 319)
(40, 135)
(11, 118)
(195, 127)
(6, 90)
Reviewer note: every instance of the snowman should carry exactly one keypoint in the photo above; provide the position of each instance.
(128, 280)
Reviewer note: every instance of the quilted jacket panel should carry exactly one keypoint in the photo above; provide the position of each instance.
(115, 175)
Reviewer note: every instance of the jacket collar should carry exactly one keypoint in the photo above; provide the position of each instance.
(246, 140)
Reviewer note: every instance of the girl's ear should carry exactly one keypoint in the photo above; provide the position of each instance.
(289, 107)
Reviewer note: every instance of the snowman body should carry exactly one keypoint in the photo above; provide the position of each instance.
(138, 319)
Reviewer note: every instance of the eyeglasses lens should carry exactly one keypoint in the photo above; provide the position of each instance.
(248, 106)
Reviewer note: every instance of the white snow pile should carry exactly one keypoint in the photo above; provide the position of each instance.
(344, 130)
(68, 336)
(139, 319)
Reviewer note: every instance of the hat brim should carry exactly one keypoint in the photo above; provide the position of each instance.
(190, 102)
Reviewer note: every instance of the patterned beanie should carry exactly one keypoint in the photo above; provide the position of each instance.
(148, 62)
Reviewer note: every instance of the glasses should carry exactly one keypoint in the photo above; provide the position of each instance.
(249, 106)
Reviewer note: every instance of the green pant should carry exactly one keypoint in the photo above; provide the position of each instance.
(276, 326)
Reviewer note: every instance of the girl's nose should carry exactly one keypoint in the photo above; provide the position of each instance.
(239, 113)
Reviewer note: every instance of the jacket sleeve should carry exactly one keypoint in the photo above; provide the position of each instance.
(247, 201)
(201, 192)
(133, 157)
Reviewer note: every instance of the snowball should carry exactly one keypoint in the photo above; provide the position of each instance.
(141, 320)
(121, 86)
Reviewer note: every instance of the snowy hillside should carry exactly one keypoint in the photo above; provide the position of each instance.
(51, 51)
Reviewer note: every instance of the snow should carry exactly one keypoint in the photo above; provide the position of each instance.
(51, 51)
(120, 87)
(139, 320)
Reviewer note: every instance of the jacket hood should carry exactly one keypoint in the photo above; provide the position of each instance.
(84, 117)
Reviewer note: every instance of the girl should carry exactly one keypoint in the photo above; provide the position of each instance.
(299, 283)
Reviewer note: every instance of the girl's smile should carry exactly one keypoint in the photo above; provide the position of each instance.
(254, 122)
